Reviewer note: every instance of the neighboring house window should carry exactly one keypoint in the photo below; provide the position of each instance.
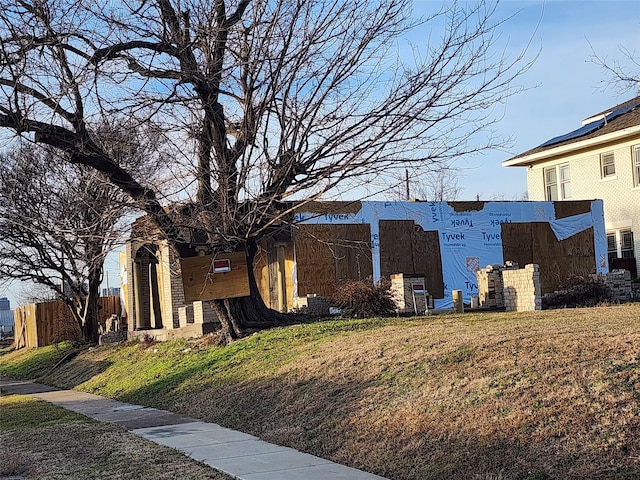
(612, 248)
(626, 240)
(565, 182)
(551, 183)
(635, 154)
(557, 190)
(607, 165)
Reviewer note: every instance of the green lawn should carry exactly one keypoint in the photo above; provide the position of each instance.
(553, 394)
(41, 441)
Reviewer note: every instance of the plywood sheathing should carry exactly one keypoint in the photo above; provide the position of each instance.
(536, 243)
(334, 208)
(569, 209)
(201, 283)
(261, 272)
(466, 206)
(329, 254)
(406, 248)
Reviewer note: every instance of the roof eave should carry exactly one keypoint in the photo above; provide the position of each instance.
(563, 149)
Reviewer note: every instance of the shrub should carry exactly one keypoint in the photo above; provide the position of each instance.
(578, 291)
(364, 299)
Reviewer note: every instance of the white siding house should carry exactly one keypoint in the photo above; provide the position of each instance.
(599, 160)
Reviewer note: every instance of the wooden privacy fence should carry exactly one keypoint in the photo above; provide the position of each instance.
(40, 324)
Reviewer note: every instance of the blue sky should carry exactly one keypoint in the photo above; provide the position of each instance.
(565, 85)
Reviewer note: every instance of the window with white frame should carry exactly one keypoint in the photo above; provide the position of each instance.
(607, 165)
(565, 181)
(612, 246)
(626, 244)
(635, 155)
(551, 183)
(619, 245)
(557, 182)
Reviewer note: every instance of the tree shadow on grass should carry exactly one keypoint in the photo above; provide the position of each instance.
(338, 419)
(73, 373)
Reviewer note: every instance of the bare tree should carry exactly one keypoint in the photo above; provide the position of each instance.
(36, 293)
(57, 224)
(59, 220)
(622, 73)
(439, 186)
(433, 185)
(274, 100)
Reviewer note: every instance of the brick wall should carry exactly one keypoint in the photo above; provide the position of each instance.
(185, 315)
(522, 289)
(490, 288)
(403, 294)
(173, 290)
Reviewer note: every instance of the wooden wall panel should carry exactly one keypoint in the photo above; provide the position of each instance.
(566, 209)
(200, 283)
(327, 254)
(517, 243)
(261, 272)
(289, 263)
(331, 208)
(467, 206)
(315, 262)
(559, 259)
(427, 259)
(535, 242)
(406, 248)
(352, 250)
(272, 273)
(396, 253)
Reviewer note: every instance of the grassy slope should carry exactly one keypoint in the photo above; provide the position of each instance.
(535, 395)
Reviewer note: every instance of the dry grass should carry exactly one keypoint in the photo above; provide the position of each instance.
(41, 441)
(541, 395)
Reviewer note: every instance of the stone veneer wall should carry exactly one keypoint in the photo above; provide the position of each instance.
(312, 305)
(490, 286)
(619, 281)
(185, 315)
(522, 290)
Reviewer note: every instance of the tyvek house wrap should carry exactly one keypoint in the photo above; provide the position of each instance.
(468, 239)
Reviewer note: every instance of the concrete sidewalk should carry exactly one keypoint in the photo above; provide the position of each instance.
(235, 453)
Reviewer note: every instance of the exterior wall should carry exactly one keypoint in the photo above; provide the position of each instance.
(469, 234)
(621, 199)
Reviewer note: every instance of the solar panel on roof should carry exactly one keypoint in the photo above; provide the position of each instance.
(591, 127)
(622, 111)
(588, 128)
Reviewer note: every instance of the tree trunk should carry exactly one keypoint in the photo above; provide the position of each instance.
(85, 308)
(92, 312)
(244, 315)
